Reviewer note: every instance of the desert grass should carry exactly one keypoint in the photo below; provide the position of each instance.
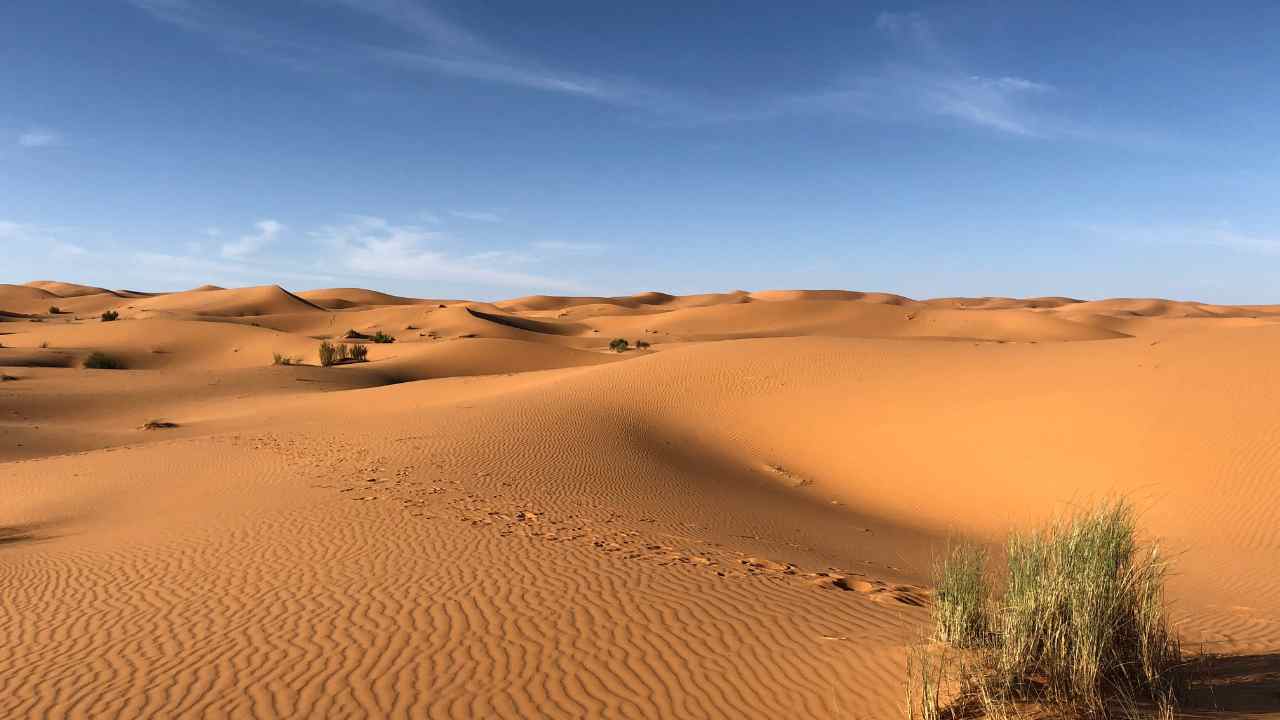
(110, 316)
(280, 359)
(382, 338)
(1078, 625)
(619, 345)
(102, 361)
(334, 354)
(158, 425)
(963, 596)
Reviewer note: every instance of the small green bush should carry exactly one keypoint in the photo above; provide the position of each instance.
(102, 361)
(382, 338)
(619, 345)
(642, 344)
(110, 316)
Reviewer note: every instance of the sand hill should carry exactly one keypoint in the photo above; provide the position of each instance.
(499, 516)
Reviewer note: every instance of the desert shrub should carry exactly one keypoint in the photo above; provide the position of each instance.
(110, 316)
(642, 344)
(7, 378)
(962, 598)
(54, 310)
(279, 359)
(328, 353)
(101, 361)
(355, 335)
(619, 345)
(1080, 623)
(158, 425)
(333, 354)
(382, 338)
(44, 344)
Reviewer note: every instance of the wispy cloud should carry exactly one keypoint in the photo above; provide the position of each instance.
(267, 232)
(477, 216)
(38, 138)
(376, 247)
(920, 80)
(1221, 236)
(430, 42)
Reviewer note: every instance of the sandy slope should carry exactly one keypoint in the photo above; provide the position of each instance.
(498, 517)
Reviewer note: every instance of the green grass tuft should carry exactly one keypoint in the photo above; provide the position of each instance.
(1079, 625)
(963, 598)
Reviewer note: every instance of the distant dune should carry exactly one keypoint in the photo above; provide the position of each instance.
(497, 515)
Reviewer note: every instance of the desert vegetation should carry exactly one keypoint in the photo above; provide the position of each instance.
(382, 338)
(54, 310)
(101, 361)
(110, 316)
(642, 344)
(281, 359)
(619, 345)
(338, 353)
(1076, 625)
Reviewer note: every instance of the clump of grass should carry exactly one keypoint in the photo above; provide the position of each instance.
(44, 344)
(619, 345)
(110, 316)
(355, 335)
(101, 361)
(54, 310)
(642, 344)
(7, 378)
(158, 425)
(382, 338)
(279, 359)
(963, 596)
(328, 353)
(334, 354)
(1080, 624)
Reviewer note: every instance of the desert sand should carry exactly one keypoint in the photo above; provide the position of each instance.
(498, 516)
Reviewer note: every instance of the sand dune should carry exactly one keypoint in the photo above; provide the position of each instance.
(265, 300)
(497, 516)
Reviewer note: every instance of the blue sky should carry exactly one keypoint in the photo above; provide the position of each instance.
(446, 148)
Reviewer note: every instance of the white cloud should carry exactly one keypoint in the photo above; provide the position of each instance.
(268, 230)
(375, 247)
(38, 137)
(476, 216)
(921, 80)
(440, 46)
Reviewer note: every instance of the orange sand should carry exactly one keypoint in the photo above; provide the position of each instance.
(498, 517)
